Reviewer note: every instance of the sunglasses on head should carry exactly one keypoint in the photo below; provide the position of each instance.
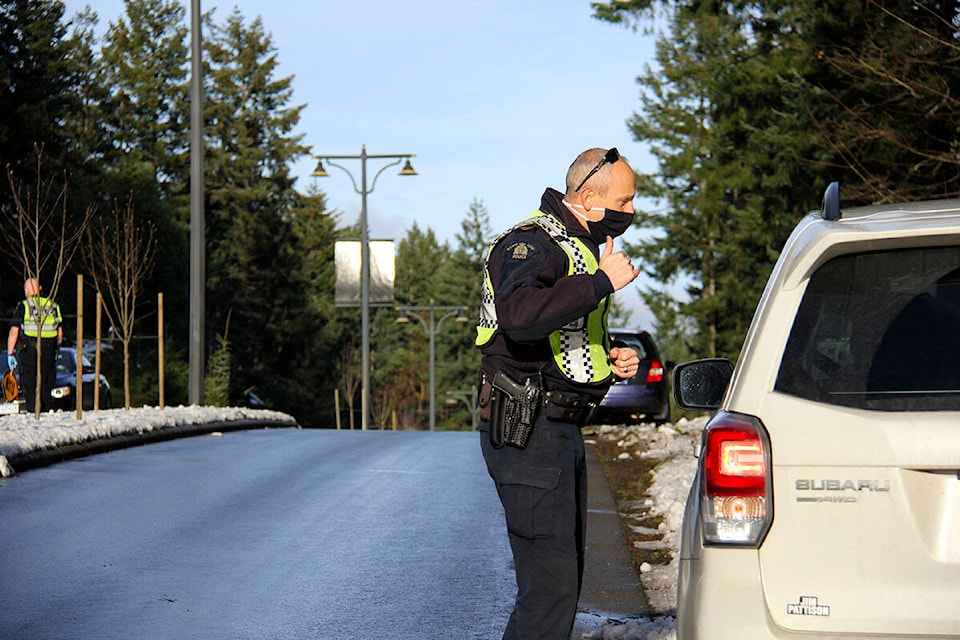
(611, 156)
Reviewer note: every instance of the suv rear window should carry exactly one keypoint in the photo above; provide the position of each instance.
(879, 330)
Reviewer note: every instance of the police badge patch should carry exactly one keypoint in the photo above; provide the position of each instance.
(520, 250)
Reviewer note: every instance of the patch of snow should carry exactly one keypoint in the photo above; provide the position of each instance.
(674, 448)
(22, 434)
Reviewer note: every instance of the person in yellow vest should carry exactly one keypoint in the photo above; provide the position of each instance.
(35, 316)
(547, 361)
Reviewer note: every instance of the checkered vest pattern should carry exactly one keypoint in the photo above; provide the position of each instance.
(579, 359)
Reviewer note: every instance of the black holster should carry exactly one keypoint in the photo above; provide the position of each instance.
(513, 410)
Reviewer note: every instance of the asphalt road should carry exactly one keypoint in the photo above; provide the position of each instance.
(270, 534)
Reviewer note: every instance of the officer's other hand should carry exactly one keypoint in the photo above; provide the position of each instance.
(11, 361)
(617, 266)
(624, 361)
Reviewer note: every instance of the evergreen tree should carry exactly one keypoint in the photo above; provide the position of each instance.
(146, 61)
(465, 274)
(143, 130)
(885, 108)
(462, 274)
(419, 256)
(402, 352)
(754, 108)
(328, 333)
(428, 272)
(254, 260)
(476, 234)
(693, 108)
(38, 79)
(85, 126)
(36, 87)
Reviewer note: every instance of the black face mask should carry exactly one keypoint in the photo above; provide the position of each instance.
(613, 224)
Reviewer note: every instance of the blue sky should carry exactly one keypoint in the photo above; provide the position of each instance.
(495, 98)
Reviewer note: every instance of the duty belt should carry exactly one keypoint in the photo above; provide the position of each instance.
(569, 406)
(559, 406)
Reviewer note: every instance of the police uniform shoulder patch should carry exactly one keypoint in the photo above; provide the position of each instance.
(519, 250)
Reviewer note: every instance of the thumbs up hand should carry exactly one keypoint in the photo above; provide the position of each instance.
(617, 266)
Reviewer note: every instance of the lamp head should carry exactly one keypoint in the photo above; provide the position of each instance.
(320, 172)
(407, 169)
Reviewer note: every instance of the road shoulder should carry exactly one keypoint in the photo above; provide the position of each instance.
(611, 588)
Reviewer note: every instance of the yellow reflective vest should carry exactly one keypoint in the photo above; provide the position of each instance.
(579, 349)
(41, 317)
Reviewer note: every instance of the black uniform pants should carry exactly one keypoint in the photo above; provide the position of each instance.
(543, 489)
(28, 373)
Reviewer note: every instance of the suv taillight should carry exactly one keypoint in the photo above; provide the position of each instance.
(655, 372)
(736, 505)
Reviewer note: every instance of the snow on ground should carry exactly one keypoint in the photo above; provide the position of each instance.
(23, 434)
(674, 447)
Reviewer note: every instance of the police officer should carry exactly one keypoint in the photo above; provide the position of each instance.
(35, 316)
(543, 329)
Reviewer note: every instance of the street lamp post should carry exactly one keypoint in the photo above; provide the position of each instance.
(198, 278)
(432, 328)
(364, 254)
(468, 398)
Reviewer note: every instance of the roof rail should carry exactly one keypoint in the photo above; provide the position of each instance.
(830, 208)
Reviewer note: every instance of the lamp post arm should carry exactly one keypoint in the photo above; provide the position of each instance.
(397, 159)
(408, 314)
(409, 310)
(455, 312)
(373, 183)
(346, 171)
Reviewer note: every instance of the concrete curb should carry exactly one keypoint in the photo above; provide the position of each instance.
(52, 455)
(611, 591)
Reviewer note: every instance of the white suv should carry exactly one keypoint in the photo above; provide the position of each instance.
(827, 499)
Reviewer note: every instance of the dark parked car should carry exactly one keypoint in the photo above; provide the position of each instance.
(645, 395)
(64, 390)
(65, 387)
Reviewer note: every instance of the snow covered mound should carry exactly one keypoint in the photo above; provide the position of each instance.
(22, 435)
(674, 448)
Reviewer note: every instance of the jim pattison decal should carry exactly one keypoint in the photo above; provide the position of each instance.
(808, 606)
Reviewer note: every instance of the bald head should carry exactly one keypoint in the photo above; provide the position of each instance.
(31, 287)
(590, 162)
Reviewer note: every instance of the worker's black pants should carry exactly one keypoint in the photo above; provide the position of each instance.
(28, 373)
(543, 489)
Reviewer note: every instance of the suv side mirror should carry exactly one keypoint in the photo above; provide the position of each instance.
(701, 384)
